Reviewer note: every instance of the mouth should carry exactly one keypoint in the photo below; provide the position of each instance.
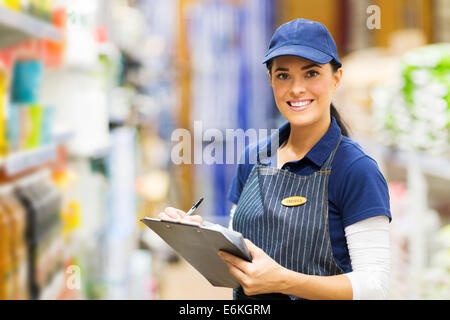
(300, 105)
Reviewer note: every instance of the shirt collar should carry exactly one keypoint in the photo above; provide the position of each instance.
(318, 153)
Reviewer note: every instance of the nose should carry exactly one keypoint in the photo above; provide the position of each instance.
(298, 87)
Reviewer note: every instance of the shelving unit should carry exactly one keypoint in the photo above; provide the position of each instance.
(16, 27)
(27, 159)
(436, 166)
(24, 160)
(420, 170)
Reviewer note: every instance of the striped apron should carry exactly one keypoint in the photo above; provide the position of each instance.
(297, 237)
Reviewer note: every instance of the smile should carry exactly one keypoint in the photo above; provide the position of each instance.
(299, 105)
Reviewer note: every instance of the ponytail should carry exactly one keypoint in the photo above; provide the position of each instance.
(339, 121)
(333, 111)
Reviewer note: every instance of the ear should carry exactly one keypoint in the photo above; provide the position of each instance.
(270, 77)
(337, 76)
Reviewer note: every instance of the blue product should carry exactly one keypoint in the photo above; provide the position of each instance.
(26, 82)
(47, 125)
(14, 128)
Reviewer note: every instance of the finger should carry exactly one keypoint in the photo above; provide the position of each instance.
(174, 212)
(235, 261)
(237, 273)
(164, 216)
(196, 218)
(252, 248)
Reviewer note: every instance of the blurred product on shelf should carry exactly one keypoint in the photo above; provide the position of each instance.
(414, 114)
(30, 231)
(153, 186)
(39, 8)
(19, 254)
(362, 72)
(29, 126)
(55, 50)
(42, 201)
(12, 4)
(71, 217)
(13, 250)
(5, 256)
(418, 270)
(29, 123)
(437, 275)
(3, 110)
(26, 81)
(399, 241)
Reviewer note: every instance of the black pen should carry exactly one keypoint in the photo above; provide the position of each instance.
(194, 207)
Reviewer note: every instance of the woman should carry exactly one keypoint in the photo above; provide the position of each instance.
(332, 240)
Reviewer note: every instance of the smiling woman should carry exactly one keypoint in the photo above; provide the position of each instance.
(315, 212)
(335, 243)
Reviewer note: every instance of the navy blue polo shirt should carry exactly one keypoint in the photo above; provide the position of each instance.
(356, 188)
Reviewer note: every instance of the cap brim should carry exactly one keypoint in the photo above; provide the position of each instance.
(299, 51)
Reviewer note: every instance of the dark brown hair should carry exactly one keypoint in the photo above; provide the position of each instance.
(333, 111)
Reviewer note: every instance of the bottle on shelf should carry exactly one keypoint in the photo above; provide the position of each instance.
(6, 285)
(19, 271)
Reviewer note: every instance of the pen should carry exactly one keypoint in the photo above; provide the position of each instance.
(194, 207)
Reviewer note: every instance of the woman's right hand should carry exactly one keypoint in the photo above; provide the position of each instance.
(174, 214)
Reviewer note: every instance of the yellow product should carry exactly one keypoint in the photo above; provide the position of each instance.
(41, 8)
(71, 217)
(6, 285)
(18, 247)
(46, 6)
(33, 139)
(26, 126)
(12, 4)
(3, 108)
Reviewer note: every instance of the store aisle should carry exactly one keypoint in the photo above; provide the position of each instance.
(112, 110)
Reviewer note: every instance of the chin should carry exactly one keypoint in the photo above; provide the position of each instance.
(301, 120)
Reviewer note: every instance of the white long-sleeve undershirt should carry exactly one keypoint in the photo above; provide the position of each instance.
(369, 249)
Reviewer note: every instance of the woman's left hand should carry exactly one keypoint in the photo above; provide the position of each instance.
(262, 275)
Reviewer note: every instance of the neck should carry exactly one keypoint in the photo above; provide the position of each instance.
(302, 138)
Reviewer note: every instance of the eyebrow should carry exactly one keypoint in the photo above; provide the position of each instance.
(310, 66)
(281, 69)
(303, 68)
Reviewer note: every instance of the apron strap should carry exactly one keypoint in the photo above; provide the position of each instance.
(327, 164)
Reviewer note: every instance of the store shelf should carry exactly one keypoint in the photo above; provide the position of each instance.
(24, 160)
(62, 137)
(16, 27)
(428, 164)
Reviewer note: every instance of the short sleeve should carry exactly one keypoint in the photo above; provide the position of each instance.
(238, 182)
(235, 189)
(364, 192)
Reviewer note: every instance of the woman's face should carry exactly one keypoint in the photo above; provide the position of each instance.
(303, 89)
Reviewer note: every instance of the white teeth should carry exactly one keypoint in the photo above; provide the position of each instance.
(300, 104)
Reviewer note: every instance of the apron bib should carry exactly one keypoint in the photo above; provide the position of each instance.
(293, 233)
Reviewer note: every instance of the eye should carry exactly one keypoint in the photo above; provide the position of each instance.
(282, 76)
(312, 74)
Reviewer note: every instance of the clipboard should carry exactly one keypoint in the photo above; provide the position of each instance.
(199, 244)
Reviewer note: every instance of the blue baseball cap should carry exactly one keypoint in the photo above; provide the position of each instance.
(303, 38)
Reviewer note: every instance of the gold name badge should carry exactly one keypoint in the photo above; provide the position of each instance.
(293, 201)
